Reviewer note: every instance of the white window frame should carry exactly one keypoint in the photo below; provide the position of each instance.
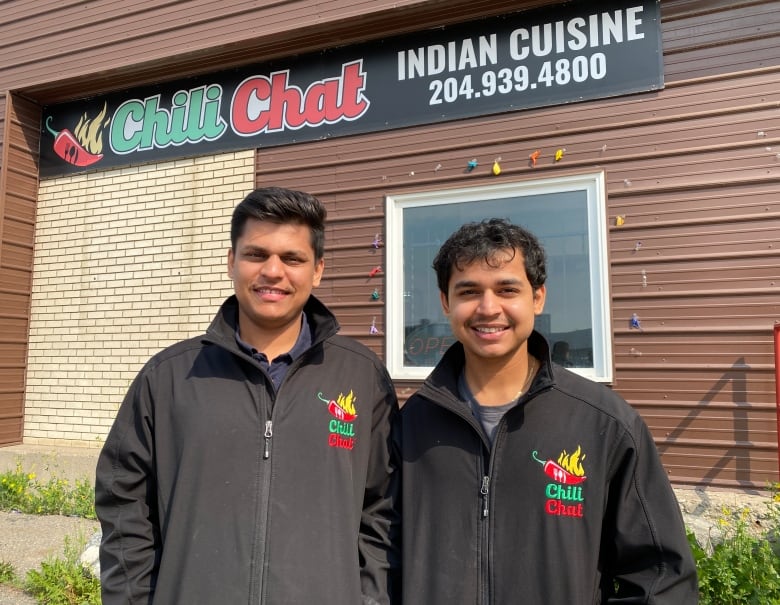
(594, 186)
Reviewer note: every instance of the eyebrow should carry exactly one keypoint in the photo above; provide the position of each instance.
(471, 284)
(252, 248)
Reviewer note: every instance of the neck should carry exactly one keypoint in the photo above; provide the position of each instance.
(496, 383)
(270, 342)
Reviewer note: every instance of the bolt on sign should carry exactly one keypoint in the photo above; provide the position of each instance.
(573, 52)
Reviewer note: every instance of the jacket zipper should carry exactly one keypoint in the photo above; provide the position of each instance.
(483, 563)
(267, 435)
(484, 550)
(258, 585)
(267, 443)
(485, 560)
(485, 491)
(487, 564)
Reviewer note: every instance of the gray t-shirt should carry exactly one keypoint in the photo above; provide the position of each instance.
(488, 415)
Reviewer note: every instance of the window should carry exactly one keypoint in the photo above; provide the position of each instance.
(566, 214)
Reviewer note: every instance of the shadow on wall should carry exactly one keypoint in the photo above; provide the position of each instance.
(737, 378)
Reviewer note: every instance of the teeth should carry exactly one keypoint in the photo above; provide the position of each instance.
(489, 330)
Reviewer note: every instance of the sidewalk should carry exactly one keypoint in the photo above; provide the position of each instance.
(51, 461)
(28, 540)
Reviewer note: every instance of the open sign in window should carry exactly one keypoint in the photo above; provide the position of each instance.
(567, 215)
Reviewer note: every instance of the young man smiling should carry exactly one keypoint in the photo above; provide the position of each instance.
(523, 482)
(253, 464)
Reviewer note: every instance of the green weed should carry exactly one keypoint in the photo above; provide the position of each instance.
(23, 492)
(743, 567)
(8, 573)
(64, 580)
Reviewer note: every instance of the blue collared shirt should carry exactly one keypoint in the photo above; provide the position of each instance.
(278, 367)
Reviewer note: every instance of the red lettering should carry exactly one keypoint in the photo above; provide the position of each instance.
(317, 100)
(285, 104)
(432, 344)
(352, 103)
(414, 347)
(246, 113)
(335, 440)
(261, 104)
(557, 507)
(446, 342)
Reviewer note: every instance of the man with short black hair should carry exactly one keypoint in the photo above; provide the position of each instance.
(253, 464)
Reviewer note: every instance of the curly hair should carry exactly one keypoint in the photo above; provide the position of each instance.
(481, 241)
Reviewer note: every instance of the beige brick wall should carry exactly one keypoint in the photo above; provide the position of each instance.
(127, 262)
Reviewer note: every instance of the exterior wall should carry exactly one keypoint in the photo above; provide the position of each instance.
(60, 49)
(127, 262)
(692, 168)
(694, 171)
(19, 137)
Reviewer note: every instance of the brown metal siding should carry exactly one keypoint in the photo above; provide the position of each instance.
(713, 37)
(694, 171)
(18, 189)
(55, 49)
(704, 204)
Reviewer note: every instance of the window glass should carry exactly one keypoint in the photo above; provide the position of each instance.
(563, 214)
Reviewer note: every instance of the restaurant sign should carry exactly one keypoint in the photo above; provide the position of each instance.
(563, 54)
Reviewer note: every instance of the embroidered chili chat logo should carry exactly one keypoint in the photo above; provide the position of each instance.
(564, 495)
(341, 427)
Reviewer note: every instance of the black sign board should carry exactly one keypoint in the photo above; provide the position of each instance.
(571, 52)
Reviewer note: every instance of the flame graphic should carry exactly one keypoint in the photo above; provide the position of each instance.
(346, 403)
(572, 463)
(89, 131)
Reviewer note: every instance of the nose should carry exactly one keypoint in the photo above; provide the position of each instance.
(488, 303)
(273, 267)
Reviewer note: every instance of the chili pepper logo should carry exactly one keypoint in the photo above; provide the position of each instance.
(342, 408)
(83, 146)
(568, 470)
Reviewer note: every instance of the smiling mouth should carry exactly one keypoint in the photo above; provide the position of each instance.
(488, 329)
(270, 291)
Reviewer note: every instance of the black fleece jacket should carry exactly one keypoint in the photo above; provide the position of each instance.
(212, 488)
(570, 502)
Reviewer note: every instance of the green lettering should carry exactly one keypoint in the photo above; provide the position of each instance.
(126, 127)
(212, 124)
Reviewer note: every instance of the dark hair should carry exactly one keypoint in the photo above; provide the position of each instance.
(281, 206)
(481, 242)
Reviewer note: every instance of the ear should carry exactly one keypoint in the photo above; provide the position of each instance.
(540, 295)
(230, 261)
(319, 267)
(445, 303)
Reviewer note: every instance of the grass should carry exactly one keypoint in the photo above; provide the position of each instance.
(64, 580)
(60, 580)
(23, 492)
(7, 573)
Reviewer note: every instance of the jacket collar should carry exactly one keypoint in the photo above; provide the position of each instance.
(222, 330)
(443, 380)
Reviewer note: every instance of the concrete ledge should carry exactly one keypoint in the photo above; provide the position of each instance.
(48, 461)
